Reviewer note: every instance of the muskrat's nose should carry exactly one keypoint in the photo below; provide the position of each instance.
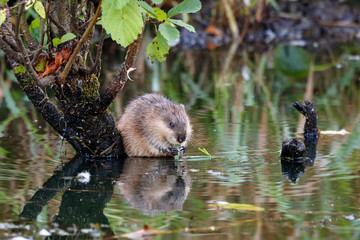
(181, 139)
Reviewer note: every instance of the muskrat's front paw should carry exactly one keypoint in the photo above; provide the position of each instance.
(182, 150)
(173, 151)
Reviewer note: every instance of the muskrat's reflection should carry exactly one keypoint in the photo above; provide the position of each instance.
(154, 185)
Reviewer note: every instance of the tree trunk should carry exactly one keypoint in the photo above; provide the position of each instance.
(78, 112)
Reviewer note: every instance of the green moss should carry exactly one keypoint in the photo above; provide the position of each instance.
(91, 87)
(26, 81)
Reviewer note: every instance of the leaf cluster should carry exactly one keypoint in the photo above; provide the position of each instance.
(123, 20)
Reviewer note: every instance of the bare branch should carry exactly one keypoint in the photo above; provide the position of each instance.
(85, 24)
(57, 24)
(97, 64)
(10, 52)
(120, 77)
(42, 36)
(87, 42)
(78, 46)
(48, 27)
(73, 12)
(62, 16)
(9, 39)
(24, 54)
(24, 28)
(80, 8)
(17, 26)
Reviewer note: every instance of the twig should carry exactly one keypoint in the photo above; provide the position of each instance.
(71, 60)
(74, 24)
(17, 26)
(16, 5)
(120, 77)
(62, 16)
(6, 36)
(9, 39)
(97, 65)
(82, 5)
(48, 28)
(24, 28)
(85, 24)
(108, 149)
(42, 36)
(57, 24)
(24, 55)
(79, 10)
(10, 52)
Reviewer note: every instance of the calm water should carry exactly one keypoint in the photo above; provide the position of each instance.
(241, 110)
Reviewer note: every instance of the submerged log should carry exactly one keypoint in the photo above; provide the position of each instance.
(296, 155)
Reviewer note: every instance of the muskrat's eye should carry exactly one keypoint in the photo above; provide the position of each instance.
(171, 125)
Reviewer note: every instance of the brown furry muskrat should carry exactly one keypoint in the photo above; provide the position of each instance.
(152, 126)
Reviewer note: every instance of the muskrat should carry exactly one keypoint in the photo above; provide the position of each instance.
(152, 125)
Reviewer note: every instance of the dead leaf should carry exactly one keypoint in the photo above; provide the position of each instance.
(213, 31)
(52, 65)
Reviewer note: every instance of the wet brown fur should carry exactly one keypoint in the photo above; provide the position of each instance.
(145, 126)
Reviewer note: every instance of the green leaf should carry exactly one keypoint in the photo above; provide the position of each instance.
(2, 16)
(67, 37)
(34, 24)
(39, 8)
(158, 48)
(148, 8)
(40, 67)
(186, 6)
(324, 67)
(204, 151)
(29, 4)
(119, 4)
(56, 41)
(169, 32)
(160, 14)
(3, 154)
(3, 2)
(124, 25)
(157, 1)
(35, 30)
(182, 24)
(292, 61)
(19, 69)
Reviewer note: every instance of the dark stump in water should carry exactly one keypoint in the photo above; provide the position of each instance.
(293, 148)
(294, 151)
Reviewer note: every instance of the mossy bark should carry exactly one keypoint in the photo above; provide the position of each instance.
(77, 111)
(88, 132)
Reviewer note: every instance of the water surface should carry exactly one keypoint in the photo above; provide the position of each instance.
(241, 111)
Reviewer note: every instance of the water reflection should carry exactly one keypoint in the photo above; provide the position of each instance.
(151, 185)
(155, 185)
(242, 125)
(88, 187)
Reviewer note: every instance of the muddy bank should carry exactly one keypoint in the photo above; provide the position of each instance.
(301, 23)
